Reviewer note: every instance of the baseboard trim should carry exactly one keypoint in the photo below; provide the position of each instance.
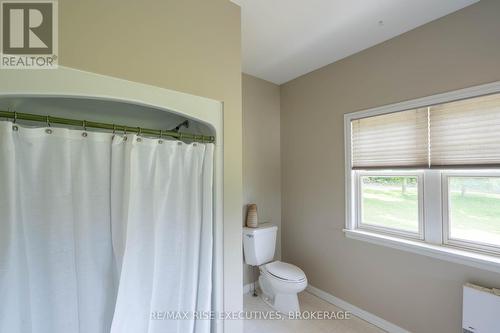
(365, 315)
(248, 288)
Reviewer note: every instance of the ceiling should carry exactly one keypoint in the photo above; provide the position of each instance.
(284, 39)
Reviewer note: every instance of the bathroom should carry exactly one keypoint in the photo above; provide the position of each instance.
(250, 166)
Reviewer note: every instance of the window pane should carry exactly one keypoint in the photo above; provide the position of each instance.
(475, 209)
(390, 202)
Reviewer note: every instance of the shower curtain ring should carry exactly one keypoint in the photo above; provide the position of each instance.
(48, 130)
(14, 126)
(160, 138)
(84, 134)
(139, 130)
(114, 129)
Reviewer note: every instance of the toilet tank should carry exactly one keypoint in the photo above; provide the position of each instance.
(259, 244)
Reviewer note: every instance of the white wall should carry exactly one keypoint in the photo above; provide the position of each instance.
(261, 155)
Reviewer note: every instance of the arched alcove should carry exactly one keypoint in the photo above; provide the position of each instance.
(74, 94)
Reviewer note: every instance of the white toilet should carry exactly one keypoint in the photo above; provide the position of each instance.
(280, 282)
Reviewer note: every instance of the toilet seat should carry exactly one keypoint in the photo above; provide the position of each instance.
(284, 271)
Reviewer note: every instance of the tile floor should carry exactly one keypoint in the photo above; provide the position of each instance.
(308, 302)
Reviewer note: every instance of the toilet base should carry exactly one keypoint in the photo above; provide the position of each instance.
(286, 304)
(281, 302)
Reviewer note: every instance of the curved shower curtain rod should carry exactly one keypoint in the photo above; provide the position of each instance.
(112, 127)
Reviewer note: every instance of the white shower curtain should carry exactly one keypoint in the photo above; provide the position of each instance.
(100, 235)
(162, 232)
(56, 272)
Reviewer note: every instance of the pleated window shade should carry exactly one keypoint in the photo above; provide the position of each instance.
(395, 140)
(463, 134)
(466, 133)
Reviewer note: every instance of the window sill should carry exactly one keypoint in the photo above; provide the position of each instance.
(473, 259)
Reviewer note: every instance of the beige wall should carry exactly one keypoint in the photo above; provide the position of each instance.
(261, 155)
(191, 46)
(418, 293)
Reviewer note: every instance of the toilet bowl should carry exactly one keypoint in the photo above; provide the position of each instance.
(280, 283)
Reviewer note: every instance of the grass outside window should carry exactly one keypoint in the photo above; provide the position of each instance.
(474, 209)
(390, 202)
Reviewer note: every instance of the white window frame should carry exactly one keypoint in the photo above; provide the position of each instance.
(419, 235)
(458, 242)
(434, 242)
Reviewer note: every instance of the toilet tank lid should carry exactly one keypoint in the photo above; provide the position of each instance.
(265, 227)
(285, 271)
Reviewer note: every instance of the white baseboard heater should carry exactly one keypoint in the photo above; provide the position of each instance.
(481, 309)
